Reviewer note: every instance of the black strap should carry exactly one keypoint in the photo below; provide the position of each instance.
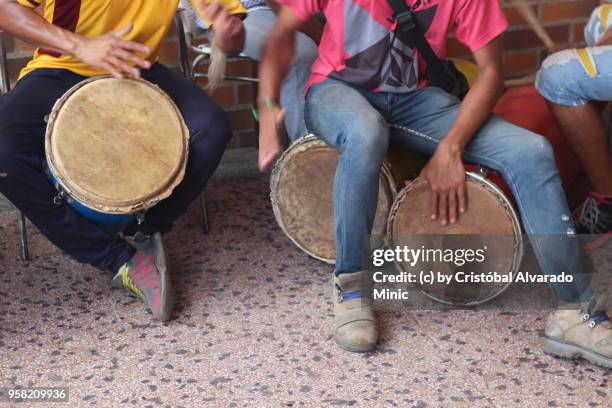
(438, 72)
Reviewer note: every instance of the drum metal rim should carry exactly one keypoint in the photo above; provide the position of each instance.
(129, 208)
(275, 180)
(517, 258)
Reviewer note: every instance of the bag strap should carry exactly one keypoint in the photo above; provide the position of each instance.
(437, 70)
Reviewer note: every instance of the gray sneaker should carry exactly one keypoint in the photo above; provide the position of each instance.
(146, 275)
(580, 334)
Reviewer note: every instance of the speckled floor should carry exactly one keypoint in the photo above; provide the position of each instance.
(253, 329)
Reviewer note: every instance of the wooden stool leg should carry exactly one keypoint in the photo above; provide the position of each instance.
(205, 216)
(23, 237)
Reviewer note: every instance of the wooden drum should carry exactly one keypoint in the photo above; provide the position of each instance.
(115, 148)
(489, 222)
(302, 197)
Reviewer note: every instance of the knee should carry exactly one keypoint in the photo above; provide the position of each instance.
(551, 78)
(368, 136)
(210, 132)
(533, 152)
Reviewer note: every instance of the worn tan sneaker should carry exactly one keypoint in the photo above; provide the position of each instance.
(354, 319)
(579, 334)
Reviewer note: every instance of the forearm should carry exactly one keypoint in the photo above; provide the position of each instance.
(276, 59)
(476, 108)
(30, 27)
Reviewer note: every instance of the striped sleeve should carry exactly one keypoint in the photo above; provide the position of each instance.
(30, 3)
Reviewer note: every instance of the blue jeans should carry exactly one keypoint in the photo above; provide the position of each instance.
(576, 76)
(362, 125)
(257, 26)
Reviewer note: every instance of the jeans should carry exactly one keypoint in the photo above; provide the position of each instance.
(257, 26)
(22, 152)
(362, 125)
(576, 76)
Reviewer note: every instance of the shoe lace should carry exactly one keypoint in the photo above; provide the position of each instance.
(129, 283)
(587, 215)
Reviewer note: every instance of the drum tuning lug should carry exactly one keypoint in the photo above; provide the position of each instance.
(140, 217)
(46, 118)
(59, 198)
(483, 172)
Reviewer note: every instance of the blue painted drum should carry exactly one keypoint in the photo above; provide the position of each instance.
(114, 149)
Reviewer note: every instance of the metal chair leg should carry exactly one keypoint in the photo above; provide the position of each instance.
(23, 237)
(205, 216)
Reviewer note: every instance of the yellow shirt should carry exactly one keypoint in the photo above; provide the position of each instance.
(91, 18)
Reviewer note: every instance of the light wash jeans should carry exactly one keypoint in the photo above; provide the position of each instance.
(576, 76)
(362, 125)
(257, 26)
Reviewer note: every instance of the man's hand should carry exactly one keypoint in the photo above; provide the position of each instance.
(227, 28)
(445, 175)
(113, 54)
(270, 121)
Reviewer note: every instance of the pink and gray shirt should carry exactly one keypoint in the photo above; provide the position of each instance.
(359, 44)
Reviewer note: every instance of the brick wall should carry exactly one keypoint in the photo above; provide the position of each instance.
(563, 19)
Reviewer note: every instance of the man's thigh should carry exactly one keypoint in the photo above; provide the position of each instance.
(23, 110)
(425, 118)
(577, 76)
(341, 115)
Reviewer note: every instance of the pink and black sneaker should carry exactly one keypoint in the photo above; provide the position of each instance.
(594, 220)
(146, 276)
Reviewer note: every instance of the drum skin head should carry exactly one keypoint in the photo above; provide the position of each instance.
(488, 222)
(117, 146)
(302, 197)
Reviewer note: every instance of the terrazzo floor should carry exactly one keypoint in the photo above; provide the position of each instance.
(253, 329)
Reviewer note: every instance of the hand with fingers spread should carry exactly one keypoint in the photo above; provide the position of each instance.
(271, 117)
(445, 175)
(113, 54)
(227, 28)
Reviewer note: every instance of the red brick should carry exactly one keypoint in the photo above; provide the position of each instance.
(562, 11)
(525, 38)
(224, 96)
(241, 119)
(521, 62)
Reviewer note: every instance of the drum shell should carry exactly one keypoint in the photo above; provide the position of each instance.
(312, 229)
(114, 217)
(512, 243)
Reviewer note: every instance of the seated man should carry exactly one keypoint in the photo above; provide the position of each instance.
(575, 82)
(367, 91)
(260, 18)
(85, 39)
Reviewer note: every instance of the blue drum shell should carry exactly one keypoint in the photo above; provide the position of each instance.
(113, 223)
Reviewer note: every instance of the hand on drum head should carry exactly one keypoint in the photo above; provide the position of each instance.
(445, 175)
(113, 54)
(271, 119)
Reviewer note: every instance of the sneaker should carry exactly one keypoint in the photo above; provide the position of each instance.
(580, 334)
(594, 220)
(354, 320)
(146, 276)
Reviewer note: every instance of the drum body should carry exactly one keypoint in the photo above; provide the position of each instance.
(115, 148)
(489, 222)
(302, 197)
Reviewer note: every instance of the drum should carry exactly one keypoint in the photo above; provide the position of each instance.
(115, 148)
(489, 224)
(302, 197)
